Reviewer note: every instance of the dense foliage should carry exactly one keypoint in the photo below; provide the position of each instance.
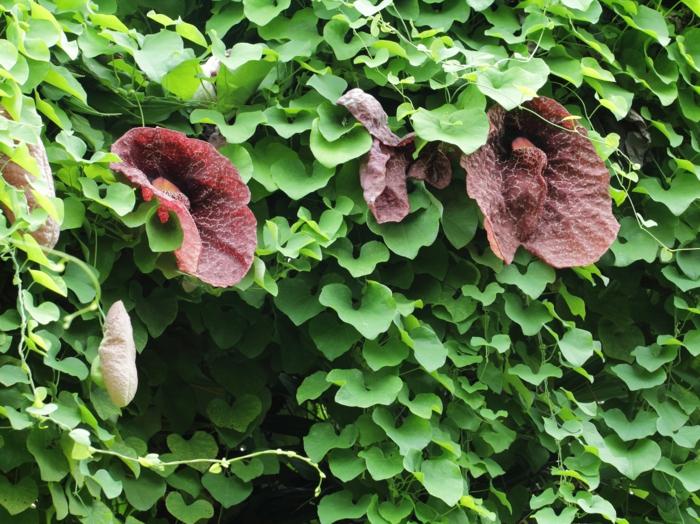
(429, 381)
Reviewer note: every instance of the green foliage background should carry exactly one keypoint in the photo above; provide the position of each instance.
(431, 383)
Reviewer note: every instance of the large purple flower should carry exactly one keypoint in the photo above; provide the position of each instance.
(192, 179)
(389, 162)
(540, 183)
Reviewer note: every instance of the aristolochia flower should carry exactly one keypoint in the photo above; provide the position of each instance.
(190, 178)
(540, 183)
(384, 170)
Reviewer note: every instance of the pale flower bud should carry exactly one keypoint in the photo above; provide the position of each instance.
(117, 354)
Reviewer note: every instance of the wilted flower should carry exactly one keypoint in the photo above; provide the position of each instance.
(540, 183)
(117, 354)
(383, 172)
(47, 234)
(433, 166)
(190, 178)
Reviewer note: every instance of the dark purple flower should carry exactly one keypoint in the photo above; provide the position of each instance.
(540, 183)
(384, 170)
(190, 178)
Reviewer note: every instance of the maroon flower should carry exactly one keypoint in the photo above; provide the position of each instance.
(192, 179)
(384, 170)
(540, 184)
(433, 166)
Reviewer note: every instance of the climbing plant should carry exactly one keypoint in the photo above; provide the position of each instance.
(359, 370)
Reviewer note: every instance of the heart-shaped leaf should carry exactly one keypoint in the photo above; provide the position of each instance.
(189, 514)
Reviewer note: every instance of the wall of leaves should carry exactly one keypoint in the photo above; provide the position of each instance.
(430, 382)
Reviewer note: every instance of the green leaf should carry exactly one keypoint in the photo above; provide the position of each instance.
(533, 282)
(466, 128)
(637, 378)
(158, 311)
(244, 411)
(292, 176)
(184, 79)
(427, 348)
(518, 83)
(332, 337)
(322, 438)
(200, 446)
(16, 498)
(443, 479)
(684, 189)
(643, 425)
(288, 122)
(73, 213)
(240, 158)
(163, 237)
(240, 131)
(345, 464)
(371, 254)
(612, 97)
(689, 474)
(111, 487)
(339, 506)
(694, 5)
(329, 86)
(691, 341)
(227, 490)
(364, 390)
(651, 22)
(191, 33)
(239, 55)
(591, 503)
(64, 80)
(633, 243)
(545, 371)
(160, 53)
(262, 12)
(500, 342)
(330, 154)
(335, 34)
(144, 492)
(43, 445)
(577, 346)
(311, 387)
(653, 357)
(414, 433)
(52, 282)
(682, 282)
(549, 516)
(422, 405)
(530, 318)
(11, 375)
(459, 218)
(43, 313)
(371, 317)
(417, 230)
(689, 262)
(631, 461)
(118, 197)
(294, 300)
(487, 296)
(189, 514)
(564, 65)
(381, 465)
(334, 121)
(391, 353)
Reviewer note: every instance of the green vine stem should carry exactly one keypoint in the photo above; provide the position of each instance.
(153, 461)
